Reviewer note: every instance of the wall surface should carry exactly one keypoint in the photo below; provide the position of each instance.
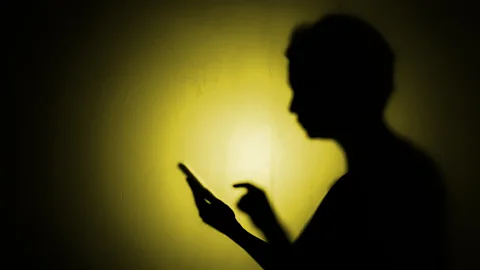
(109, 97)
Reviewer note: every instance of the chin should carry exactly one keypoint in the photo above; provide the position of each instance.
(317, 134)
(313, 130)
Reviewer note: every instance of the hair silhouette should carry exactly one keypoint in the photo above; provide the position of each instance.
(388, 210)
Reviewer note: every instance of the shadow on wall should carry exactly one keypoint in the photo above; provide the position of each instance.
(63, 196)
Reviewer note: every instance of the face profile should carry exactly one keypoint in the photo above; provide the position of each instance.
(341, 74)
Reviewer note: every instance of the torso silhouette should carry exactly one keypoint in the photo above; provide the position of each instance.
(389, 214)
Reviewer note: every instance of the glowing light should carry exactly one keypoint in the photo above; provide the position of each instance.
(249, 153)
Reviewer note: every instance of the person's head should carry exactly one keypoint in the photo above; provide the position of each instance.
(341, 73)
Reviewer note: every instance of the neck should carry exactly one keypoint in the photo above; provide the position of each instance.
(361, 146)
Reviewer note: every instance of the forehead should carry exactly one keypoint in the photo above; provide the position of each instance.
(304, 70)
(307, 79)
(300, 68)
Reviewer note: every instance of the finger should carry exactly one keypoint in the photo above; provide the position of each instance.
(209, 195)
(248, 186)
(200, 203)
(244, 185)
(204, 215)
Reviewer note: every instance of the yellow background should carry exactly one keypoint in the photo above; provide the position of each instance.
(139, 88)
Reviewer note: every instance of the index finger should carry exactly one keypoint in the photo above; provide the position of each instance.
(248, 186)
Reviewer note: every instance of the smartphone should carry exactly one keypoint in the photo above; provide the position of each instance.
(192, 180)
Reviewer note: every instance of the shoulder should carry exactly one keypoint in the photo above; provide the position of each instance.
(412, 160)
(414, 174)
(405, 170)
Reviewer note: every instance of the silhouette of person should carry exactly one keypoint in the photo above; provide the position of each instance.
(388, 210)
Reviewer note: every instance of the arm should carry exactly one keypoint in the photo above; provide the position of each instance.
(281, 247)
(256, 205)
(275, 253)
(259, 250)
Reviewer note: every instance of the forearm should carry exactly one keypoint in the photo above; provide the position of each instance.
(276, 235)
(275, 253)
(281, 247)
(258, 249)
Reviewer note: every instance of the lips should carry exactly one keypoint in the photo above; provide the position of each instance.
(299, 120)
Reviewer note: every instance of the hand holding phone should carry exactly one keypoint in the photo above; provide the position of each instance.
(213, 211)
